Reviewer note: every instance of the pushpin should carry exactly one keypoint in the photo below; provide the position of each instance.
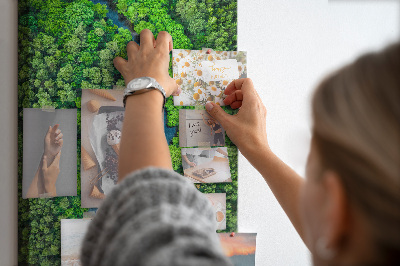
(208, 51)
(232, 234)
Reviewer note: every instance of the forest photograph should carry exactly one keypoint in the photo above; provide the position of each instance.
(65, 46)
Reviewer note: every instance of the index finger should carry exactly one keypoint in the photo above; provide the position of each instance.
(56, 126)
(164, 41)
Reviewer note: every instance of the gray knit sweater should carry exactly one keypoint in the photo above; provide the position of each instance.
(154, 217)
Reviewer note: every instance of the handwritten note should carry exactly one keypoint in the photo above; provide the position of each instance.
(219, 70)
(194, 128)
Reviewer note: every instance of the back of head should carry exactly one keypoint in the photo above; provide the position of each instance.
(356, 130)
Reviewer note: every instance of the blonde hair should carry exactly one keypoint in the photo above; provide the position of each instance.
(356, 130)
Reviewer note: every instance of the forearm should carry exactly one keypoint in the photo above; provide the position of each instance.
(143, 141)
(222, 152)
(185, 158)
(284, 182)
(33, 191)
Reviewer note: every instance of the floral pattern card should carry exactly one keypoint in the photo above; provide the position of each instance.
(204, 74)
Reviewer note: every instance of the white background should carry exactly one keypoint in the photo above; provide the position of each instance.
(291, 45)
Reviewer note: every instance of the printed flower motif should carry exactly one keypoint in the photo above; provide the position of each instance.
(219, 101)
(189, 75)
(240, 68)
(213, 90)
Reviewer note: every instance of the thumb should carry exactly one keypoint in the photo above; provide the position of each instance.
(44, 163)
(49, 131)
(217, 113)
(57, 159)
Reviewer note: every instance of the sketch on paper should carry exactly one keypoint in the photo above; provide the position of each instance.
(204, 74)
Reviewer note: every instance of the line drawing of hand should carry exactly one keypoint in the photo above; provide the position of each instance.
(50, 174)
(53, 142)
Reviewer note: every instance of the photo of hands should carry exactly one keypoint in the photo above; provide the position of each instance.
(49, 165)
(206, 165)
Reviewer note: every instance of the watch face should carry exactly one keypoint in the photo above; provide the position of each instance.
(140, 83)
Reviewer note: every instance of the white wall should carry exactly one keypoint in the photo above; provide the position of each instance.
(291, 45)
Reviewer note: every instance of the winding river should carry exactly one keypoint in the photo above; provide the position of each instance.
(170, 132)
(115, 18)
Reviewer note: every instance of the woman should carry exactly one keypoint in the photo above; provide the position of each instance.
(216, 128)
(349, 203)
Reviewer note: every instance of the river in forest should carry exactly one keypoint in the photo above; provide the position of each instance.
(115, 18)
(170, 132)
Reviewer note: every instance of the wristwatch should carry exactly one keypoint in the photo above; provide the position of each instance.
(142, 85)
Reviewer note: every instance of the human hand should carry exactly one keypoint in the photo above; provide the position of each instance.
(247, 128)
(192, 164)
(50, 174)
(150, 59)
(53, 142)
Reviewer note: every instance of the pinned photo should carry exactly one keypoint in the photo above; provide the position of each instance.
(206, 165)
(204, 74)
(198, 129)
(49, 153)
(218, 201)
(72, 234)
(239, 247)
(101, 124)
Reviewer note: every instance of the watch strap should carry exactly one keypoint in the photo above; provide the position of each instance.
(154, 85)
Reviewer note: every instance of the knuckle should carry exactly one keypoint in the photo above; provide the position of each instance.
(249, 80)
(163, 33)
(130, 45)
(145, 31)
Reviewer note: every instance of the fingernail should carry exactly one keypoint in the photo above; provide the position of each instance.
(179, 90)
(209, 106)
